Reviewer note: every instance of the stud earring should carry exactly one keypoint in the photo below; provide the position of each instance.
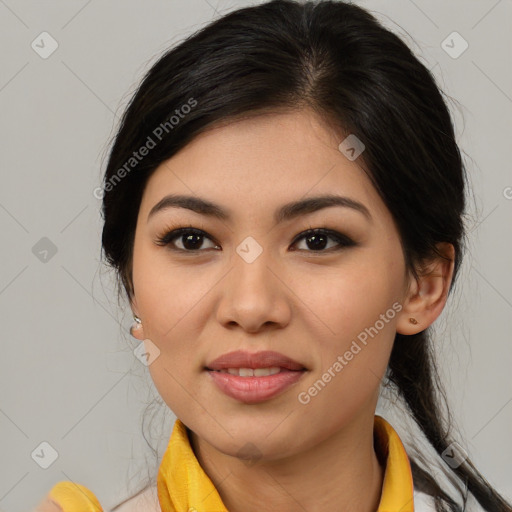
(413, 321)
(136, 325)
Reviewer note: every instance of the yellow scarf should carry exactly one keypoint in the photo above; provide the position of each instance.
(183, 486)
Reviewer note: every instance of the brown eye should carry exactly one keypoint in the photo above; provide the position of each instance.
(317, 239)
(191, 239)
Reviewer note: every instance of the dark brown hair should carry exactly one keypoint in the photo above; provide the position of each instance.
(337, 59)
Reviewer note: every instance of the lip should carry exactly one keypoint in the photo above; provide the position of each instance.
(263, 359)
(252, 390)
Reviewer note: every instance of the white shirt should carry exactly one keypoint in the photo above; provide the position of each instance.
(148, 502)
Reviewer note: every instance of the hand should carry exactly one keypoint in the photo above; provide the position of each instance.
(48, 505)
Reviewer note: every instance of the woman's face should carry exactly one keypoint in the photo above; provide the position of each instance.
(251, 283)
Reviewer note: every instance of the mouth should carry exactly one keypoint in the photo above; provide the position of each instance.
(244, 363)
(253, 378)
(254, 372)
(252, 389)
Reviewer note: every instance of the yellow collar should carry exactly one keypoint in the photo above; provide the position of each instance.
(183, 485)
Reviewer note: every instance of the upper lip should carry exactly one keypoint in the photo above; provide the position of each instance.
(243, 359)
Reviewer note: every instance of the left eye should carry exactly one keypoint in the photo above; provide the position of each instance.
(316, 239)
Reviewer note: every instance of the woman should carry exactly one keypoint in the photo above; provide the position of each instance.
(283, 204)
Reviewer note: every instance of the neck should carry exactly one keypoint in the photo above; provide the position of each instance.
(341, 473)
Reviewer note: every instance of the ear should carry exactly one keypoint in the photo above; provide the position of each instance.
(427, 294)
(136, 329)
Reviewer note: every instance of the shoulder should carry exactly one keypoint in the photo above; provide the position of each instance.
(67, 496)
(146, 501)
(425, 503)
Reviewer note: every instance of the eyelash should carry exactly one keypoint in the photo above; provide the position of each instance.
(170, 234)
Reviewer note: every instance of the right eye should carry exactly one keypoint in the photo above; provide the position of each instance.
(191, 239)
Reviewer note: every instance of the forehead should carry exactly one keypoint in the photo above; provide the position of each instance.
(262, 162)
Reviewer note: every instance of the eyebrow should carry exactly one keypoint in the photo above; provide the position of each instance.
(286, 212)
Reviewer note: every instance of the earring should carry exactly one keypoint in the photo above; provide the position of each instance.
(413, 321)
(136, 325)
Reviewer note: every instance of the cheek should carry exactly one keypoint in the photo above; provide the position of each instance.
(353, 322)
(169, 294)
(170, 299)
(347, 301)
(353, 353)
(360, 337)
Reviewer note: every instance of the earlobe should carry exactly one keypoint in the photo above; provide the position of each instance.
(427, 294)
(136, 329)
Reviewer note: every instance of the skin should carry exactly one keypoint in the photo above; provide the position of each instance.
(48, 505)
(309, 305)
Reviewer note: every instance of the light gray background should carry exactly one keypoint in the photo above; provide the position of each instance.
(68, 374)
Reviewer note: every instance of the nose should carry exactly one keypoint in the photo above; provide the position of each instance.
(254, 295)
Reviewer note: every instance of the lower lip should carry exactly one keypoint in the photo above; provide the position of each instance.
(255, 389)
